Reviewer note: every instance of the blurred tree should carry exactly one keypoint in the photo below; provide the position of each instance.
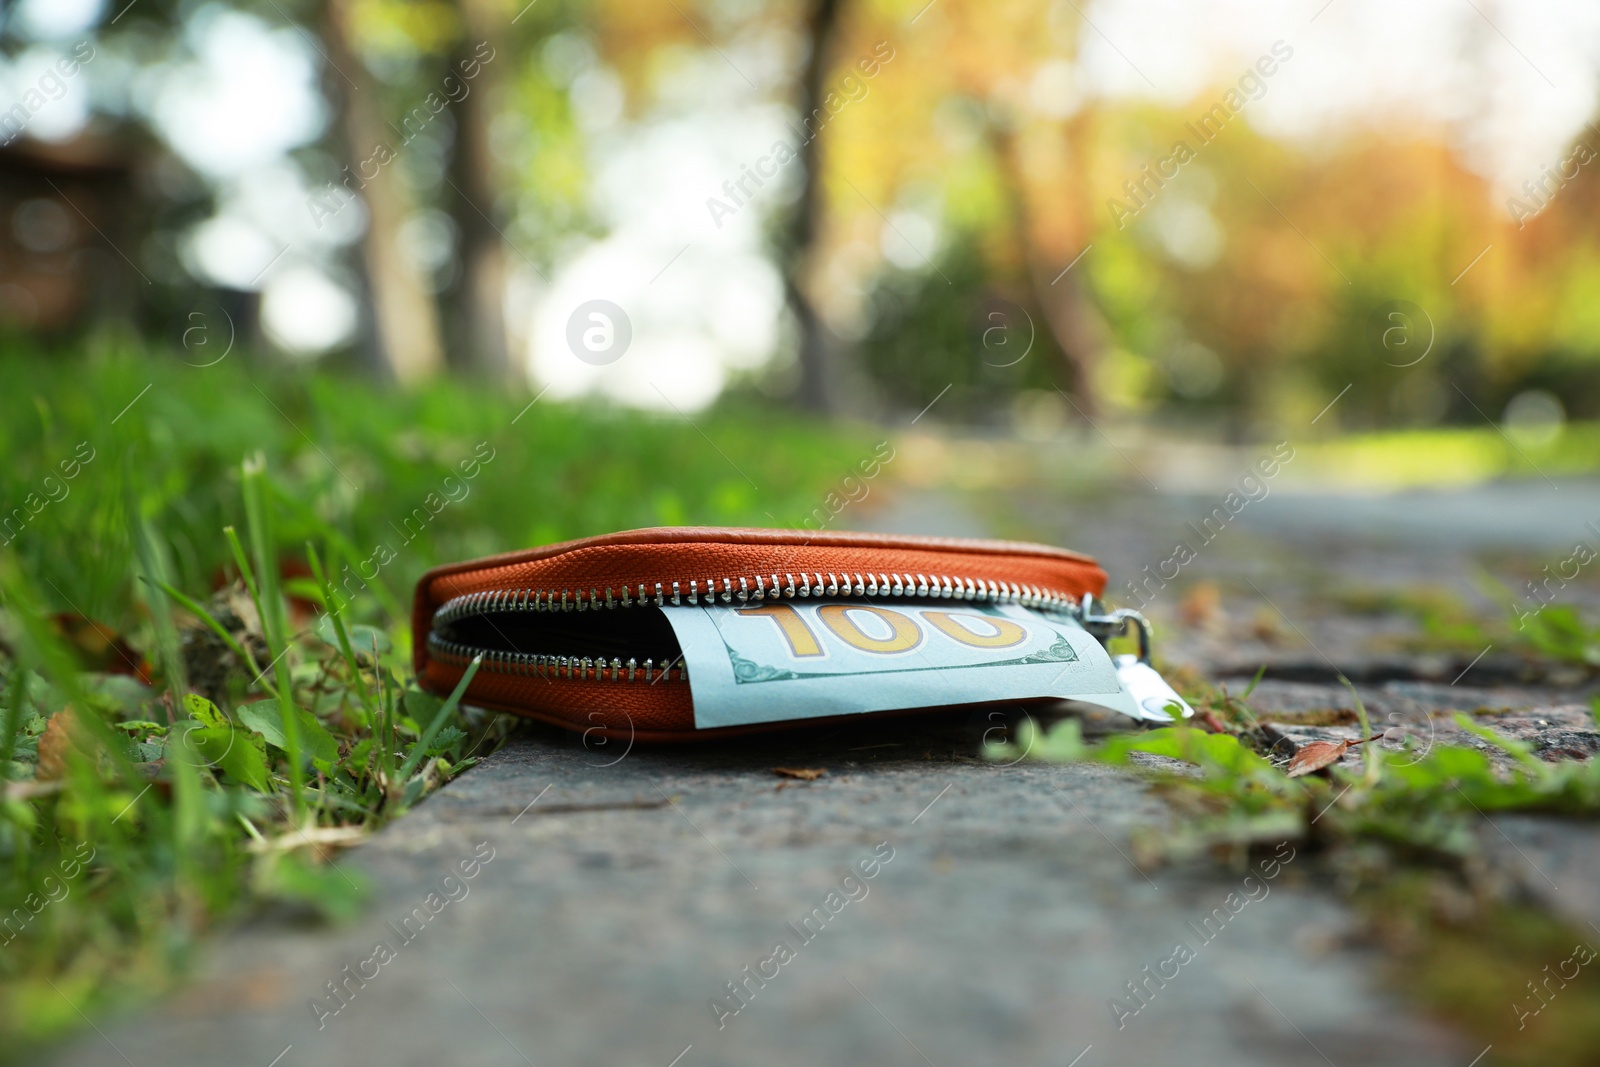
(819, 387)
(476, 302)
(405, 318)
(975, 125)
(1050, 222)
(90, 220)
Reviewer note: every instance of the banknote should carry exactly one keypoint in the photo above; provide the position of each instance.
(802, 659)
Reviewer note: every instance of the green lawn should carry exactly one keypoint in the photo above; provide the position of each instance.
(180, 746)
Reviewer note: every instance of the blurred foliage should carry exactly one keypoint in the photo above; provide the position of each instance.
(954, 329)
(1251, 286)
(1255, 285)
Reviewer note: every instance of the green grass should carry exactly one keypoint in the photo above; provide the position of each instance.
(185, 731)
(1445, 456)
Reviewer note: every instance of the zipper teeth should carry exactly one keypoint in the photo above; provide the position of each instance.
(581, 668)
(746, 588)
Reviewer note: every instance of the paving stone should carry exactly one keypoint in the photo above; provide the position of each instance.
(621, 899)
(1556, 862)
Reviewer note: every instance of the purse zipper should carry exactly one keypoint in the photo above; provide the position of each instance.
(758, 588)
(741, 589)
(532, 665)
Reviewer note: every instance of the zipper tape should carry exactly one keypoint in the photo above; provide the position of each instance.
(579, 668)
(757, 588)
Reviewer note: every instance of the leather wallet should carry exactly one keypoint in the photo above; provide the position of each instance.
(573, 633)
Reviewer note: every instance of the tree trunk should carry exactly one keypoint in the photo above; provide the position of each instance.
(1074, 322)
(404, 314)
(476, 303)
(818, 384)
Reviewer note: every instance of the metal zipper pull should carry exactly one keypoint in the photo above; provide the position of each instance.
(1141, 681)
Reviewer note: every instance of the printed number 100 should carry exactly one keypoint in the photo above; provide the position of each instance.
(905, 632)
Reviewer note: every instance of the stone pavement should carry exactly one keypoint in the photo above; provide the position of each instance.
(616, 908)
(613, 900)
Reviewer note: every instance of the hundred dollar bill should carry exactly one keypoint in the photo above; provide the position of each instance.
(795, 660)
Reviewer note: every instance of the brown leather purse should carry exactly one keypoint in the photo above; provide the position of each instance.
(570, 634)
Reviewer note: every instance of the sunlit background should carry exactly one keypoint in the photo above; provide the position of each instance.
(994, 214)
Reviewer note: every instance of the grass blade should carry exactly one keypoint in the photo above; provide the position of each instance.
(262, 547)
(434, 727)
(357, 678)
(1369, 755)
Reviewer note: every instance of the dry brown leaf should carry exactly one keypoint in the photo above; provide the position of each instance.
(99, 647)
(207, 659)
(1264, 627)
(1315, 755)
(1201, 606)
(54, 745)
(805, 774)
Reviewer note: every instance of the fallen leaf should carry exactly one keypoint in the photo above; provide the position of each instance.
(1315, 755)
(54, 744)
(99, 647)
(264, 988)
(1201, 606)
(1264, 627)
(805, 774)
(294, 577)
(208, 661)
